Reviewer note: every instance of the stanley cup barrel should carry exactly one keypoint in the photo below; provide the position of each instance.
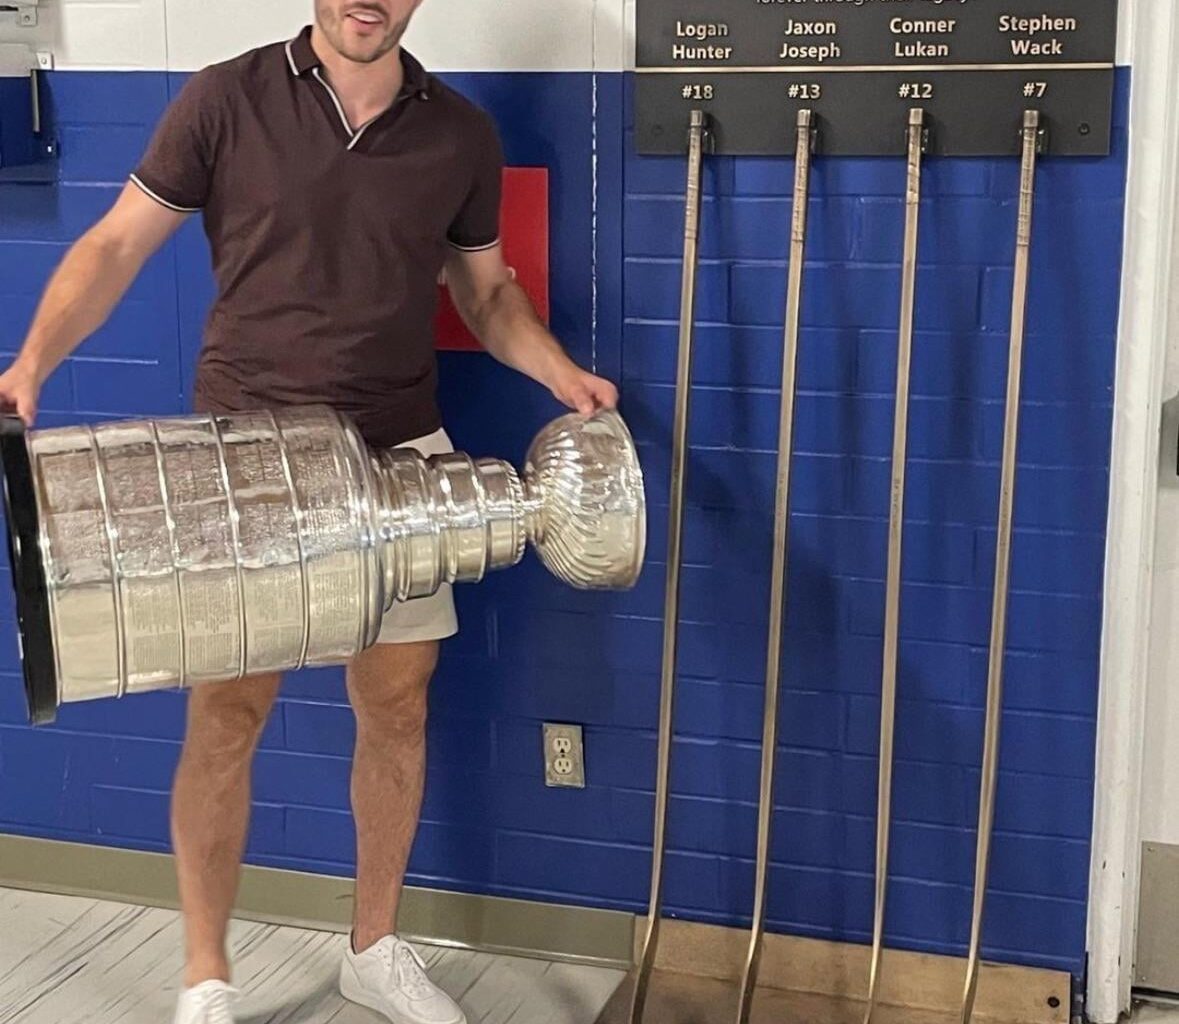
(157, 554)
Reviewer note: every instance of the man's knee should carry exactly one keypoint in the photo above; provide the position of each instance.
(225, 720)
(388, 686)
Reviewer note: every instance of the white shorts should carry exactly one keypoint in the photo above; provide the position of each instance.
(422, 618)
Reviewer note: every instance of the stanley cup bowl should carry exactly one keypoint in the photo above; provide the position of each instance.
(587, 516)
(157, 554)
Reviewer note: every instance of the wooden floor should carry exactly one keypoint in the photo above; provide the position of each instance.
(688, 999)
(69, 960)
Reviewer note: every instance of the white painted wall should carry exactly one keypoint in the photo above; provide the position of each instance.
(96, 34)
(1160, 772)
(1160, 790)
(448, 35)
(202, 32)
(1127, 9)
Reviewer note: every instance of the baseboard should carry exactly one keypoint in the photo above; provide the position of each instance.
(918, 981)
(494, 924)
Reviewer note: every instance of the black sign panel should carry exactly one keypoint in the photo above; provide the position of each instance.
(973, 66)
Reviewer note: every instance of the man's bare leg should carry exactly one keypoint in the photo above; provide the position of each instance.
(211, 812)
(387, 685)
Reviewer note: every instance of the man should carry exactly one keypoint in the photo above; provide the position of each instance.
(336, 180)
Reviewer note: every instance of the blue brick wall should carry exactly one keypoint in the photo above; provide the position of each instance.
(823, 853)
(533, 650)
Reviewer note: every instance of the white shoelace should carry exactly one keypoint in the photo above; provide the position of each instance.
(409, 969)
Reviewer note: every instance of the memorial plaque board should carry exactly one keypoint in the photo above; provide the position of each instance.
(973, 66)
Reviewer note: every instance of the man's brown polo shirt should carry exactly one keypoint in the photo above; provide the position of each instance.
(327, 240)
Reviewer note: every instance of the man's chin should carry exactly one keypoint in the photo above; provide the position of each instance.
(360, 55)
(367, 52)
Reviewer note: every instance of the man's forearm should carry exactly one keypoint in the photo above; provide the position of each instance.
(77, 301)
(507, 326)
(500, 314)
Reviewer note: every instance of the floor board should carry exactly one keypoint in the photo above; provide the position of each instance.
(69, 960)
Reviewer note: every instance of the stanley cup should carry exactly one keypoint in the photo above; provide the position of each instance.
(156, 554)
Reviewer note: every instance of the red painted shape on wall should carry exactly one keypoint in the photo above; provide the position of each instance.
(524, 229)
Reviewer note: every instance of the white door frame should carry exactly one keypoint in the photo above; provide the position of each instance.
(1150, 40)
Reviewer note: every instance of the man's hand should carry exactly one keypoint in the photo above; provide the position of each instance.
(582, 391)
(19, 388)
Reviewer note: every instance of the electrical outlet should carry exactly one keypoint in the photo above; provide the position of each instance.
(564, 756)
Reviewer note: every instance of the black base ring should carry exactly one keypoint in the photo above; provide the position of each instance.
(38, 659)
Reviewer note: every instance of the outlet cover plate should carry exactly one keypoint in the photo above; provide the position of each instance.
(564, 755)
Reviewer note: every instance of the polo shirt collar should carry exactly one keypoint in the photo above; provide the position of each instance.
(301, 57)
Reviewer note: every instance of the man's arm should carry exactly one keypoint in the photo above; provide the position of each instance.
(94, 275)
(499, 313)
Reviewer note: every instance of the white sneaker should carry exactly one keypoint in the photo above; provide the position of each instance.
(390, 978)
(206, 1003)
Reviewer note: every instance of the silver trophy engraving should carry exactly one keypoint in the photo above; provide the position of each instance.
(155, 554)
